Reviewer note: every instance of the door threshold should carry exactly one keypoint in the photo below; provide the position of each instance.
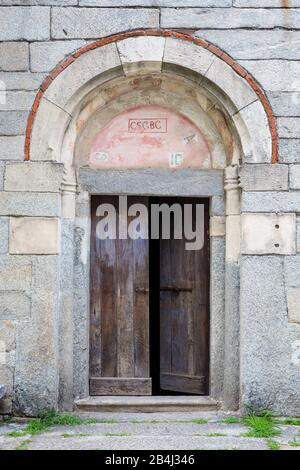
(146, 403)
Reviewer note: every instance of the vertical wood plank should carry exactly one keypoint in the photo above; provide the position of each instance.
(95, 310)
(124, 295)
(165, 308)
(141, 302)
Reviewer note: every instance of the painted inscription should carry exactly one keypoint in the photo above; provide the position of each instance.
(132, 139)
(145, 125)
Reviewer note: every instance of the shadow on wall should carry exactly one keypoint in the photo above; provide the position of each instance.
(2, 391)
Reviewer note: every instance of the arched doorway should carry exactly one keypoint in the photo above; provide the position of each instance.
(233, 122)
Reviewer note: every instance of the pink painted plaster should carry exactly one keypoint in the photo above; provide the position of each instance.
(150, 136)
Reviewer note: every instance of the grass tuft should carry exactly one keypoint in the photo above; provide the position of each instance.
(294, 443)
(199, 421)
(291, 421)
(23, 445)
(47, 420)
(80, 434)
(17, 434)
(111, 434)
(261, 425)
(273, 445)
(230, 420)
(215, 434)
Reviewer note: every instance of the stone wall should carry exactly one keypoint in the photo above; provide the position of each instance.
(263, 36)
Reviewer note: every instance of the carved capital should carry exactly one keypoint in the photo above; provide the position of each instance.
(69, 190)
(69, 183)
(232, 178)
(232, 189)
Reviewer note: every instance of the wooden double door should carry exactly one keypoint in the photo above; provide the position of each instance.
(149, 316)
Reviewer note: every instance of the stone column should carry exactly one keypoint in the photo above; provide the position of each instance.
(232, 320)
(82, 294)
(68, 191)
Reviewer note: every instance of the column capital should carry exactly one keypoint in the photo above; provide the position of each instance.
(69, 182)
(232, 189)
(69, 191)
(232, 178)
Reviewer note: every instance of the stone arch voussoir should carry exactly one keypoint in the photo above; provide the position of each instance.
(155, 50)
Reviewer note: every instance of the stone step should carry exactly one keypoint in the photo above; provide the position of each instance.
(147, 403)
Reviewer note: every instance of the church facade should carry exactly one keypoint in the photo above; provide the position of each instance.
(108, 112)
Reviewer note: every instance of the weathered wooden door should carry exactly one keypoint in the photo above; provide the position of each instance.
(184, 311)
(120, 318)
(119, 322)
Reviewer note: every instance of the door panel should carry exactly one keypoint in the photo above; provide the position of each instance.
(119, 324)
(182, 383)
(184, 312)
